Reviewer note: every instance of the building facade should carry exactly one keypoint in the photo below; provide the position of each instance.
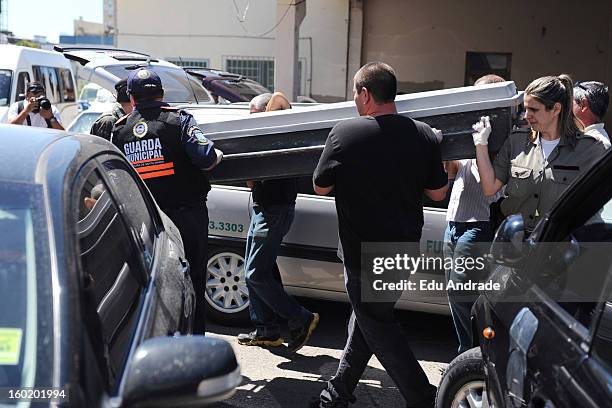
(431, 44)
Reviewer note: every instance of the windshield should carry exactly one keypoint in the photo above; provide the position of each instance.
(179, 87)
(82, 124)
(247, 89)
(18, 297)
(5, 86)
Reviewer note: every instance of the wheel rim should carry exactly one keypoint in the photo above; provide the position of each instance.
(226, 289)
(471, 395)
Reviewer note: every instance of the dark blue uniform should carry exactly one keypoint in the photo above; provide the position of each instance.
(169, 151)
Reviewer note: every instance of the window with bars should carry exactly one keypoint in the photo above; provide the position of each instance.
(260, 69)
(189, 62)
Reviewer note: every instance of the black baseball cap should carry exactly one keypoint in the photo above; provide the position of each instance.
(35, 87)
(143, 81)
(121, 88)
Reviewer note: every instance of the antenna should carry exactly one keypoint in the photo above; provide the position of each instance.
(188, 81)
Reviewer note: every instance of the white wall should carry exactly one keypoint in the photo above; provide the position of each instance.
(209, 29)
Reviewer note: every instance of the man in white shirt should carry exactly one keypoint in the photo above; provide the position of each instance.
(34, 111)
(591, 101)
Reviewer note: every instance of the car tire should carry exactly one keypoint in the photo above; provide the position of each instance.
(227, 299)
(463, 383)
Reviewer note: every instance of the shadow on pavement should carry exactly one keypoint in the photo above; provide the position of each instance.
(377, 391)
(431, 337)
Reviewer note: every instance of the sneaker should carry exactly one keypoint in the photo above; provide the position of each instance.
(328, 404)
(300, 336)
(252, 339)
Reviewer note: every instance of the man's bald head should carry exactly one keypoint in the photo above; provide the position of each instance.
(489, 79)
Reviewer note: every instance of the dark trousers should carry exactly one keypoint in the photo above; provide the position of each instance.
(192, 223)
(373, 329)
(465, 240)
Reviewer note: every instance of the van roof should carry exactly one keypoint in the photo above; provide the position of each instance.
(11, 55)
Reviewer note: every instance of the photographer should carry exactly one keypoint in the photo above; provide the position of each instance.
(35, 109)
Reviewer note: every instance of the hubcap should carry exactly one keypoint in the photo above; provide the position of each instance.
(471, 395)
(226, 289)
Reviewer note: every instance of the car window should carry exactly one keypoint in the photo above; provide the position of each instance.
(22, 82)
(247, 89)
(83, 123)
(6, 77)
(178, 85)
(575, 270)
(133, 205)
(24, 282)
(108, 275)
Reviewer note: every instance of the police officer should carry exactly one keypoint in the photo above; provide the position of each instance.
(169, 151)
(103, 126)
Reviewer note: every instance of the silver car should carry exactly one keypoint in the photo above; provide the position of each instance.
(308, 262)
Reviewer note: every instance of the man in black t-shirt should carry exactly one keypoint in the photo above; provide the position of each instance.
(379, 165)
(271, 218)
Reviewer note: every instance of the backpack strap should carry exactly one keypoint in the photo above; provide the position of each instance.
(20, 109)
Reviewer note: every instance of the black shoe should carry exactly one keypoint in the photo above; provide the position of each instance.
(252, 339)
(300, 336)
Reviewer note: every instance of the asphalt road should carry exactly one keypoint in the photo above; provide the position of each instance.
(274, 377)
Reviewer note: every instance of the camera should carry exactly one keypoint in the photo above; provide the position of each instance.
(43, 103)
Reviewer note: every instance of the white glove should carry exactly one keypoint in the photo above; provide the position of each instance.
(482, 130)
(438, 134)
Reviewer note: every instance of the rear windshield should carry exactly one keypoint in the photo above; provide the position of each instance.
(179, 87)
(5, 86)
(247, 89)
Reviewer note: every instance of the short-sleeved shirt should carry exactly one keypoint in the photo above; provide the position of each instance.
(275, 192)
(380, 167)
(533, 184)
(467, 201)
(35, 119)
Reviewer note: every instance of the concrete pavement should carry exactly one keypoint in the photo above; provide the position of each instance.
(274, 377)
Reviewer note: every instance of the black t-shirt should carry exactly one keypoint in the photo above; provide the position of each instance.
(275, 192)
(380, 167)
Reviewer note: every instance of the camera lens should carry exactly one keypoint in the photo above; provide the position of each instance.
(45, 104)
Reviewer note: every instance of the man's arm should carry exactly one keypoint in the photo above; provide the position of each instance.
(438, 194)
(19, 118)
(322, 190)
(52, 116)
(278, 101)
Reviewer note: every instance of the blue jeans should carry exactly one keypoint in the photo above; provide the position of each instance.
(267, 297)
(465, 240)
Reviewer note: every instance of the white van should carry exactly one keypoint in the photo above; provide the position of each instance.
(20, 65)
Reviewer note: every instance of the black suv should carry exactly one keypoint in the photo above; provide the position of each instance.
(226, 87)
(545, 337)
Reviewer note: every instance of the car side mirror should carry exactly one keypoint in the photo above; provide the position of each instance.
(181, 371)
(507, 248)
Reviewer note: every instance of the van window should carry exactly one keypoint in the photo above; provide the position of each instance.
(67, 85)
(5, 86)
(48, 77)
(22, 82)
